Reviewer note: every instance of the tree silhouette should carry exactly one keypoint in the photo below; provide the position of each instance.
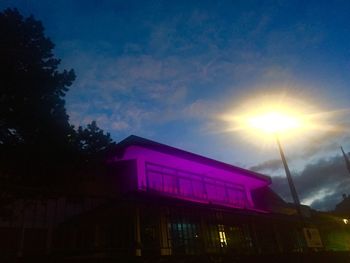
(92, 140)
(94, 146)
(32, 107)
(38, 146)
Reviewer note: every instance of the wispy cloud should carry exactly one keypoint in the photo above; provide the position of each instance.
(172, 75)
(142, 66)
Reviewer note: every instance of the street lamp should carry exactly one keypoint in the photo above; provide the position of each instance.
(277, 119)
(275, 123)
(289, 178)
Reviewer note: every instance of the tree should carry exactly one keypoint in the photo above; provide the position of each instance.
(93, 141)
(33, 120)
(95, 148)
(40, 152)
(94, 145)
(32, 109)
(37, 142)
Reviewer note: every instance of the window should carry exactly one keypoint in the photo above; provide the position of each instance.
(185, 186)
(198, 189)
(179, 183)
(184, 238)
(236, 197)
(170, 184)
(155, 181)
(222, 236)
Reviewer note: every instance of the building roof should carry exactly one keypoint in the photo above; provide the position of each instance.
(133, 140)
(343, 207)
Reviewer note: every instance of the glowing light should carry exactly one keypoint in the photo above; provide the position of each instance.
(259, 119)
(222, 236)
(274, 122)
(345, 221)
(269, 117)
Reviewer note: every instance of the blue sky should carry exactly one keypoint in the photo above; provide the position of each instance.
(165, 69)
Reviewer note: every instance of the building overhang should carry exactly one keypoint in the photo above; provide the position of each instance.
(173, 172)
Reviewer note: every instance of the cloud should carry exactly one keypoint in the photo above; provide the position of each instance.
(200, 109)
(269, 165)
(320, 184)
(314, 148)
(120, 125)
(325, 142)
(179, 71)
(183, 68)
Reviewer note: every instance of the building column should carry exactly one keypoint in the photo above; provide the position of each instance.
(137, 232)
(165, 242)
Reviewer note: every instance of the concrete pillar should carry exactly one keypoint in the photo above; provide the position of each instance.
(165, 241)
(137, 232)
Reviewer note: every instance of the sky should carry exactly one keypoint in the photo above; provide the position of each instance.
(167, 71)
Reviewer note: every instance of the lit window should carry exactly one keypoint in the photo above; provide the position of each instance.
(222, 236)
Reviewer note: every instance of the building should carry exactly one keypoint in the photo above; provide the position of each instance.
(157, 201)
(173, 202)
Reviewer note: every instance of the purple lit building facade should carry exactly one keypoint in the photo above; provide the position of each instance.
(171, 202)
(159, 201)
(175, 173)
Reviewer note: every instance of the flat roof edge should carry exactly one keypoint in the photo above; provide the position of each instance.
(133, 140)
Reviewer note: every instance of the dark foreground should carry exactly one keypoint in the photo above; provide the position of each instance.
(333, 257)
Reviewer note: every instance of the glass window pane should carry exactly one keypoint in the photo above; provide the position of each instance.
(198, 189)
(155, 181)
(185, 187)
(170, 184)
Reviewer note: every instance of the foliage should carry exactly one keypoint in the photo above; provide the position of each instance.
(32, 89)
(95, 147)
(92, 139)
(38, 146)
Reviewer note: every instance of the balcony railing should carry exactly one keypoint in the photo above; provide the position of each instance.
(198, 187)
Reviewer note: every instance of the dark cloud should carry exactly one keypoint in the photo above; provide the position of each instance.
(328, 203)
(322, 183)
(269, 165)
(317, 144)
(328, 141)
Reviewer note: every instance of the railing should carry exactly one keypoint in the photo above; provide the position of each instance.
(189, 185)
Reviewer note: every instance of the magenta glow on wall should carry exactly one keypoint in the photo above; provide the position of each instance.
(182, 178)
